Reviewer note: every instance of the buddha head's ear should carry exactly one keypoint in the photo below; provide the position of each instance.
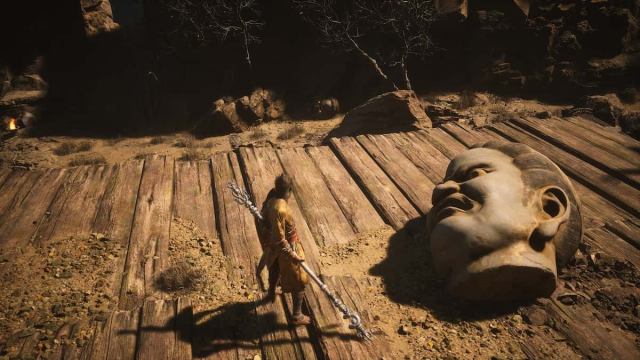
(554, 210)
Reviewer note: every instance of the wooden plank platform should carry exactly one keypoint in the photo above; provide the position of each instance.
(385, 195)
(323, 214)
(149, 239)
(354, 204)
(193, 196)
(22, 219)
(355, 185)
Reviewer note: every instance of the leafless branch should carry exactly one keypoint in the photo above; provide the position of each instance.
(385, 32)
(205, 21)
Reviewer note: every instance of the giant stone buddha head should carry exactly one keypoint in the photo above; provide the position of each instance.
(504, 218)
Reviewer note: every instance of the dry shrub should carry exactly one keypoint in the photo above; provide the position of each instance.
(467, 100)
(291, 132)
(94, 159)
(70, 148)
(257, 133)
(500, 114)
(190, 154)
(141, 156)
(180, 276)
(184, 143)
(157, 140)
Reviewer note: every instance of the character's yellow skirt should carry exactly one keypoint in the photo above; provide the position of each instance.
(293, 278)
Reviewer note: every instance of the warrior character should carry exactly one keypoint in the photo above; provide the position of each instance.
(283, 252)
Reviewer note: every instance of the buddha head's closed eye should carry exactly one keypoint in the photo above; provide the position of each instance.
(503, 219)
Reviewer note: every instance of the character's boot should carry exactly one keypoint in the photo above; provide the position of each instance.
(298, 317)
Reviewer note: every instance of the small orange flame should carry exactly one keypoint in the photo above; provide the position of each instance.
(12, 124)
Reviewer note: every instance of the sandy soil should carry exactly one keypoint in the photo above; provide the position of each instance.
(62, 151)
(68, 280)
(21, 150)
(65, 281)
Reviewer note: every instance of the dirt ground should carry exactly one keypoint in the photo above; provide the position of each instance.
(68, 280)
(21, 150)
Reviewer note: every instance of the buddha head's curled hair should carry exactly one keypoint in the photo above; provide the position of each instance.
(539, 172)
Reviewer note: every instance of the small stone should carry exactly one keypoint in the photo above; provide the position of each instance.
(517, 319)
(404, 330)
(543, 114)
(536, 317)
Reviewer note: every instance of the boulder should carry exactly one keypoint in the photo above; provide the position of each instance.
(326, 108)
(98, 17)
(605, 107)
(630, 123)
(28, 83)
(389, 112)
(247, 112)
(222, 119)
(261, 105)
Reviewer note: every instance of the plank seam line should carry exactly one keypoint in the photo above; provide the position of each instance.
(395, 183)
(333, 195)
(358, 181)
(10, 174)
(48, 210)
(571, 173)
(577, 153)
(214, 199)
(133, 218)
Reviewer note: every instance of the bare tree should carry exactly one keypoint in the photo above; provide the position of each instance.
(204, 21)
(384, 32)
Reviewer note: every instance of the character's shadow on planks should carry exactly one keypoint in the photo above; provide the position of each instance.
(409, 278)
(236, 328)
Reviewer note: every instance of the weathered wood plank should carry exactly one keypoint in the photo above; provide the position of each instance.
(157, 331)
(442, 141)
(590, 336)
(149, 240)
(462, 133)
(241, 246)
(354, 204)
(323, 215)
(595, 140)
(238, 234)
(608, 132)
(626, 230)
(99, 345)
(423, 155)
(183, 329)
(337, 340)
(386, 197)
(615, 190)
(624, 169)
(19, 183)
(4, 174)
(416, 186)
(123, 333)
(21, 220)
(610, 244)
(193, 198)
(73, 209)
(261, 166)
(114, 216)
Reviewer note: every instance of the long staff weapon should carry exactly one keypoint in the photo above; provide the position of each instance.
(242, 197)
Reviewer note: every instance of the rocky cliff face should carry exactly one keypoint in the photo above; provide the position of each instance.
(568, 48)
